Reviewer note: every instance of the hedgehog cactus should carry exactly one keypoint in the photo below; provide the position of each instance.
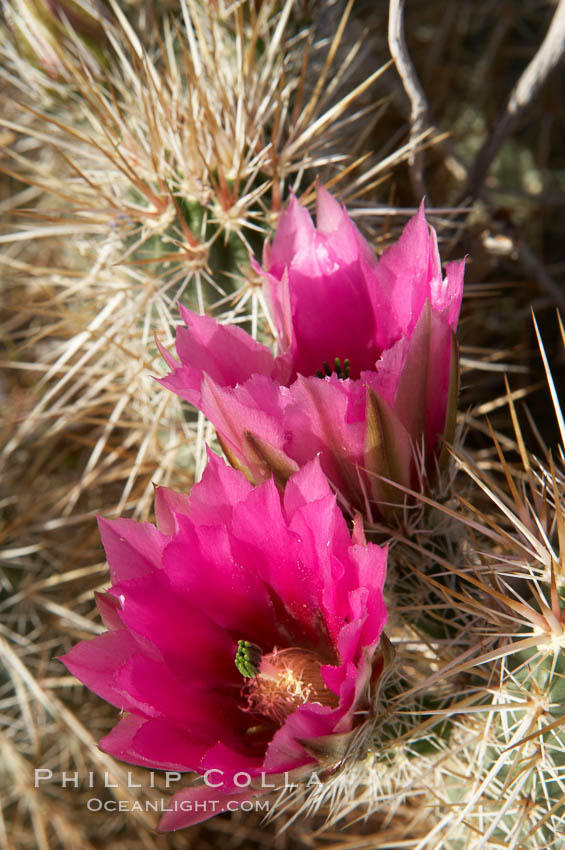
(384, 407)
(244, 629)
(483, 725)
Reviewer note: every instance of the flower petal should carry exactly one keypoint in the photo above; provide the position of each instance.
(253, 407)
(325, 419)
(286, 752)
(389, 454)
(333, 221)
(423, 385)
(194, 647)
(96, 661)
(293, 237)
(153, 691)
(309, 486)
(264, 539)
(153, 743)
(332, 312)
(225, 353)
(408, 273)
(193, 805)
(168, 505)
(241, 600)
(220, 489)
(133, 549)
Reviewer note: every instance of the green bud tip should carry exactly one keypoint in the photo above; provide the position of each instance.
(248, 658)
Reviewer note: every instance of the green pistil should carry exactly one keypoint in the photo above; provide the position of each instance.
(248, 658)
(341, 373)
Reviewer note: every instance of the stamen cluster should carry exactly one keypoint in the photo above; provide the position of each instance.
(287, 679)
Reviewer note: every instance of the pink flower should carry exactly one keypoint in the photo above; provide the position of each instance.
(243, 635)
(366, 372)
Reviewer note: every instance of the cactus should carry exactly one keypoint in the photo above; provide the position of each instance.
(155, 165)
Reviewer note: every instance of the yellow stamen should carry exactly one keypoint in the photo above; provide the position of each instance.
(287, 679)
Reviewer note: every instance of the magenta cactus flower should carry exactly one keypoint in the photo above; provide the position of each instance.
(366, 372)
(243, 636)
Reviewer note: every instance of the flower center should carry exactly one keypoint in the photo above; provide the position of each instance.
(341, 372)
(282, 681)
(248, 658)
